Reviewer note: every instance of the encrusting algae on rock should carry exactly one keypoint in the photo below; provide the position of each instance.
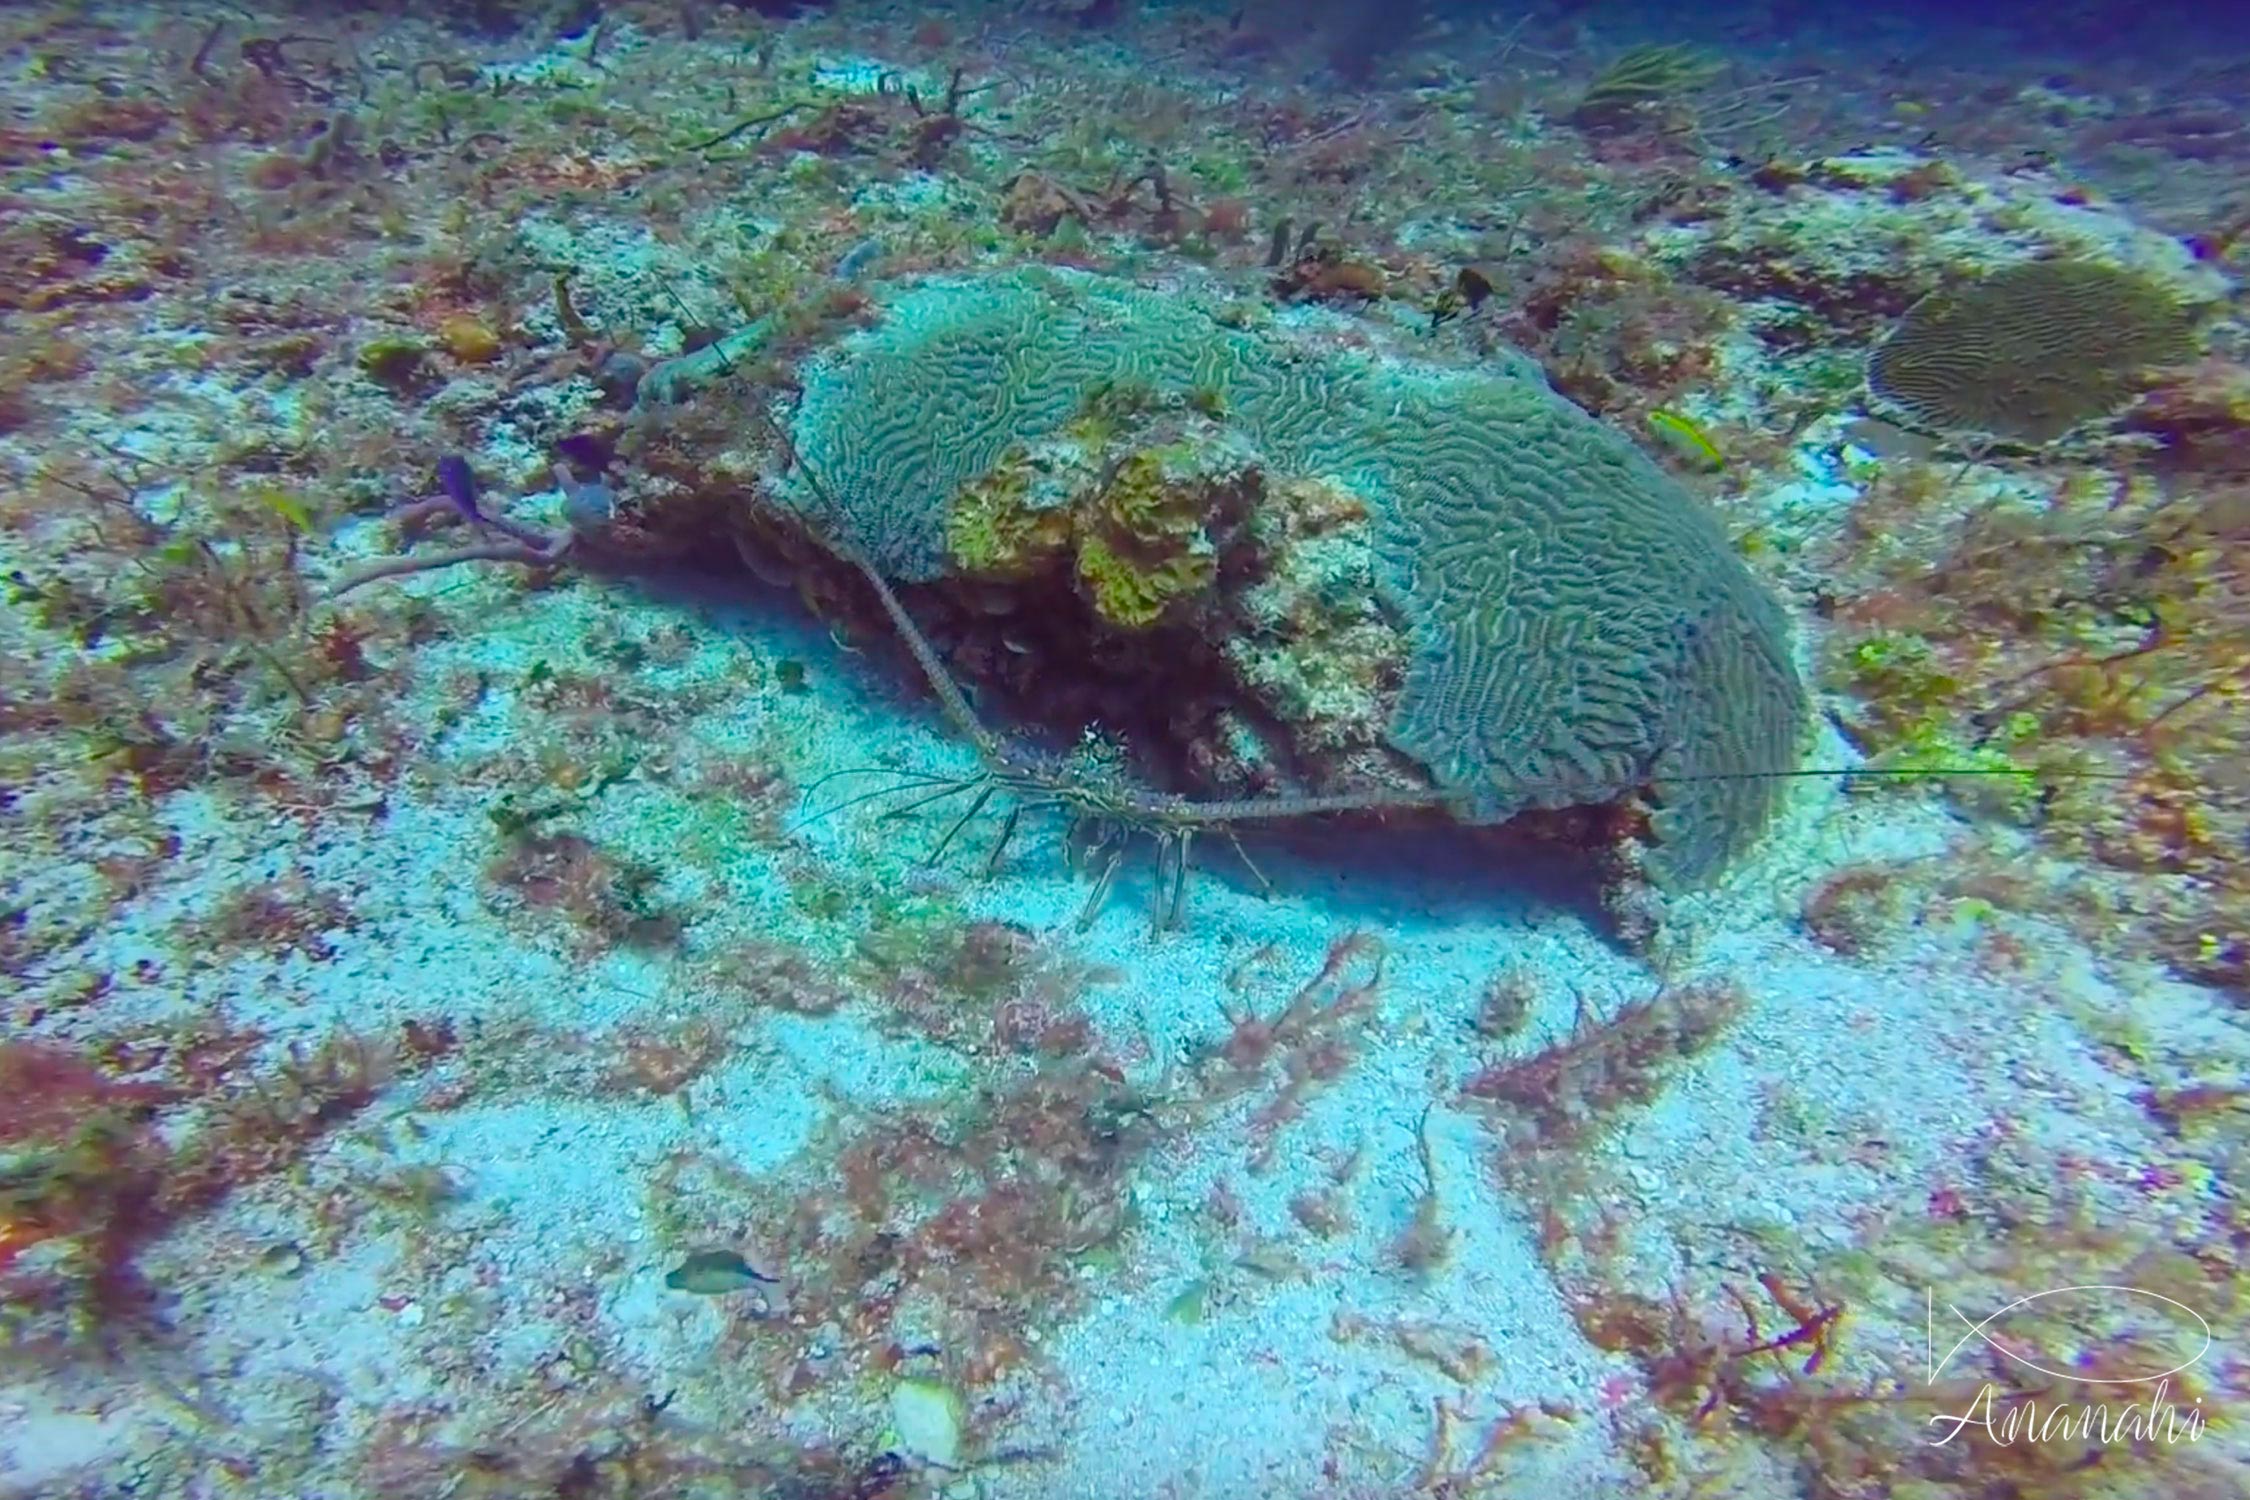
(1142, 524)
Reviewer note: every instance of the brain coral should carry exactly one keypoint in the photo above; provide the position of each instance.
(1578, 625)
(2030, 351)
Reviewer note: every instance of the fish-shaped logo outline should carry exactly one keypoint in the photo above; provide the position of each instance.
(1977, 1329)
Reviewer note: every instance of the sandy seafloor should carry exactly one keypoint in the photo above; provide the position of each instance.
(549, 1240)
(348, 1325)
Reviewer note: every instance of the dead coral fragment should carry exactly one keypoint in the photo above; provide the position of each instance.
(2029, 352)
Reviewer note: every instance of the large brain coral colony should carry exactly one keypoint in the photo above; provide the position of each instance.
(1575, 626)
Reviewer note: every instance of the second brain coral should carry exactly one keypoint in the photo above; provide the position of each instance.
(2030, 351)
(1577, 625)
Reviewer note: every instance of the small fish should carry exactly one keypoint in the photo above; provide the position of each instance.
(1687, 439)
(713, 1273)
(458, 483)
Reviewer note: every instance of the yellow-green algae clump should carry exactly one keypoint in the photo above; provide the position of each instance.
(1136, 530)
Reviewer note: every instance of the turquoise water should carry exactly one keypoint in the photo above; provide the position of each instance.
(1122, 751)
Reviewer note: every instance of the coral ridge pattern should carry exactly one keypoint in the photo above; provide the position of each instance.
(1579, 625)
